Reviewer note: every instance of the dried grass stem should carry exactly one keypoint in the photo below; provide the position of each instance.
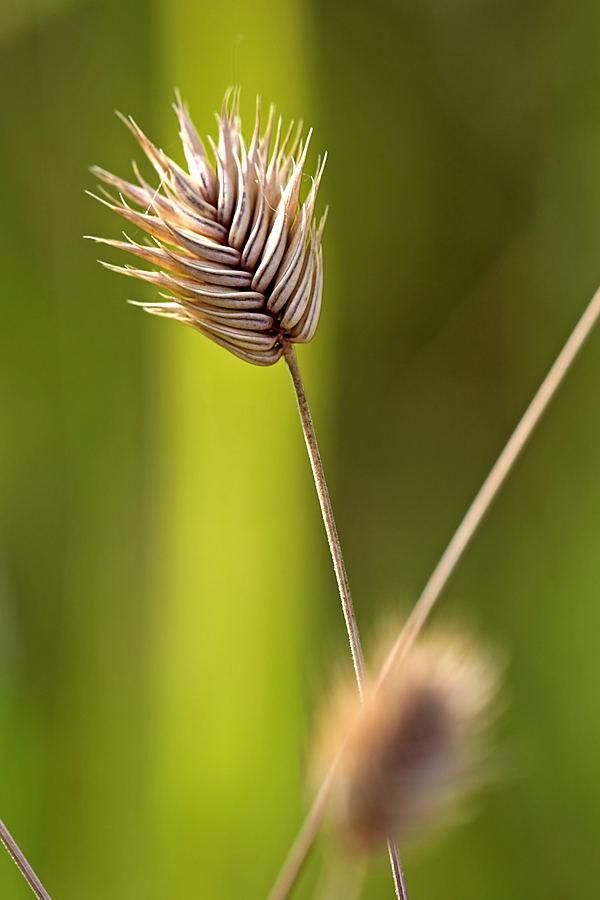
(397, 870)
(301, 848)
(491, 486)
(332, 535)
(25, 869)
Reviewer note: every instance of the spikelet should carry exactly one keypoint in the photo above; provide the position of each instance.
(238, 254)
(413, 748)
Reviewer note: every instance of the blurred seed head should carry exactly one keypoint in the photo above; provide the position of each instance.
(238, 254)
(414, 748)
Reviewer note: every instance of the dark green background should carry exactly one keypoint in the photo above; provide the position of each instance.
(168, 618)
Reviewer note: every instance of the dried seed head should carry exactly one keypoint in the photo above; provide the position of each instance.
(239, 255)
(413, 747)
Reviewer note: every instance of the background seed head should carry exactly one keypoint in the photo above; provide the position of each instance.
(415, 746)
(238, 254)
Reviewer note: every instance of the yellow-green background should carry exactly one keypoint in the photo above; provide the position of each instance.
(167, 612)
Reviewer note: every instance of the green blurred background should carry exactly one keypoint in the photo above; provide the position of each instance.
(168, 617)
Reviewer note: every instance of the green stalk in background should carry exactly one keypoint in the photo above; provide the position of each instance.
(236, 578)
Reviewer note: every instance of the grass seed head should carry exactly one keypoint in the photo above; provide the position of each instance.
(237, 253)
(414, 747)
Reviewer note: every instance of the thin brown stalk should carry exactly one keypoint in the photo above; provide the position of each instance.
(301, 847)
(332, 535)
(25, 869)
(397, 870)
(491, 486)
(454, 552)
(298, 855)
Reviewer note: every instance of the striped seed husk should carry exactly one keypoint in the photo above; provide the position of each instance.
(238, 255)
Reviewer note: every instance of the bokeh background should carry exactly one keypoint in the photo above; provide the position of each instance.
(168, 618)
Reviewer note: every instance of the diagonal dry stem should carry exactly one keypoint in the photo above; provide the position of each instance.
(301, 847)
(448, 562)
(25, 869)
(299, 852)
(491, 486)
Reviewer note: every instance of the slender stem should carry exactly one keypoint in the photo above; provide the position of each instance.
(491, 486)
(397, 870)
(301, 848)
(459, 542)
(332, 535)
(26, 871)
